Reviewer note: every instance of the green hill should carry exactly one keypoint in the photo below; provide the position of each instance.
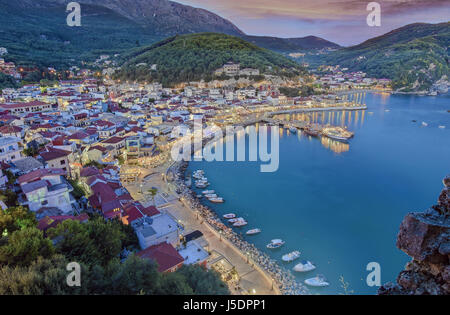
(196, 56)
(414, 56)
(39, 35)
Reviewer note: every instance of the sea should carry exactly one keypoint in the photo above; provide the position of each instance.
(341, 204)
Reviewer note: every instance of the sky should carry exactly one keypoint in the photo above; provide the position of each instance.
(340, 21)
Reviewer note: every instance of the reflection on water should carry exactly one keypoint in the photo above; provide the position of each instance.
(344, 119)
(335, 146)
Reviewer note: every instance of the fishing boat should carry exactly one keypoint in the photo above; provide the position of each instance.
(291, 256)
(208, 192)
(304, 266)
(217, 200)
(318, 281)
(253, 232)
(229, 216)
(277, 243)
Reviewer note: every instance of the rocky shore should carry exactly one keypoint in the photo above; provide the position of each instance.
(426, 238)
(282, 278)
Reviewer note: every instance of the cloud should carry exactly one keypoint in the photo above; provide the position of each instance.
(342, 21)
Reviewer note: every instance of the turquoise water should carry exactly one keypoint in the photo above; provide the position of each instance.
(342, 207)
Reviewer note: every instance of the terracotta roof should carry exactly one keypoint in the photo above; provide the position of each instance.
(39, 174)
(89, 171)
(164, 254)
(10, 129)
(53, 154)
(113, 140)
(52, 221)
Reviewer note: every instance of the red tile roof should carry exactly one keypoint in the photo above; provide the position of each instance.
(164, 254)
(39, 174)
(52, 221)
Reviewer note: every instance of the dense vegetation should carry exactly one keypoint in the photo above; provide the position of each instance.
(32, 262)
(39, 35)
(197, 56)
(7, 81)
(414, 56)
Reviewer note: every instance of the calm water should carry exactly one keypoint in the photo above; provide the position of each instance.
(340, 205)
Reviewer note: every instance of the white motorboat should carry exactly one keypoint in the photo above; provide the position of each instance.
(253, 232)
(211, 196)
(208, 192)
(199, 196)
(304, 266)
(234, 220)
(240, 223)
(293, 130)
(441, 127)
(229, 216)
(217, 200)
(424, 124)
(318, 281)
(277, 243)
(291, 256)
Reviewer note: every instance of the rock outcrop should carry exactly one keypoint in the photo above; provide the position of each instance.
(426, 238)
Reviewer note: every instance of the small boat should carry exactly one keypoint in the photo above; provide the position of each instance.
(293, 129)
(229, 216)
(208, 192)
(387, 110)
(253, 232)
(291, 256)
(311, 132)
(234, 220)
(217, 200)
(240, 223)
(370, 113)
(211, 196)
(275, 244)
(304, 266)
(441, 127)
(199, 196)
(318, 281)
(424, 124)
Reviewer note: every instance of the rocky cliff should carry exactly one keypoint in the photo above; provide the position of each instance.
(426, 238)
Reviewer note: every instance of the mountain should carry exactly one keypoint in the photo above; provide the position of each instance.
(414, 56)
(290, 44)
(165, 18)
(35, 31)
(196, 56)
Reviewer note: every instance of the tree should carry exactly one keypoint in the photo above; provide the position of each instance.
(95, 242)
(16, 218)
(153, 192)
(25, 246)
(9, 197)
(203, 281)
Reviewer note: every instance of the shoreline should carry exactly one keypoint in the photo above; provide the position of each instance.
(283, 280)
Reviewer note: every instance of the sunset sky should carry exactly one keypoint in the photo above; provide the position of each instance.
(340, 21)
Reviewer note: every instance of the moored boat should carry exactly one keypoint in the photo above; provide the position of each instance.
(207, 192)
(229, 216)
(217, 200)
(277, 243)
(304, 266)
(240, 223)
(293, 129)
(253, 231)
(337, 133)
(311, 132)
(318, 281)
(291, 256)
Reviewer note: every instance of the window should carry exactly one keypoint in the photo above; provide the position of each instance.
(63, 162)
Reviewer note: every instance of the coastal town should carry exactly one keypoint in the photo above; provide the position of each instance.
(93, 145)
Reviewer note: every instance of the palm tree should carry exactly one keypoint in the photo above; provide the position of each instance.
(153, 192)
